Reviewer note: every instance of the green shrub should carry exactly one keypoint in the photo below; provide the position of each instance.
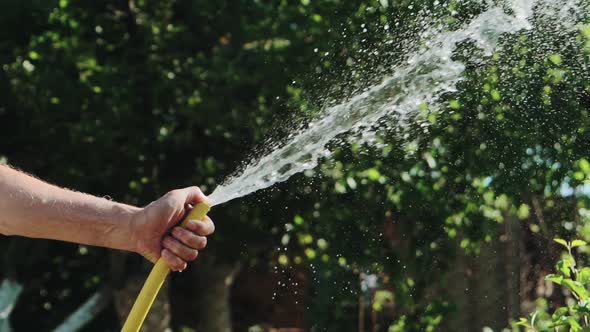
(574, 316)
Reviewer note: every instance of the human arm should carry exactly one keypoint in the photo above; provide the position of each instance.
(33, 208)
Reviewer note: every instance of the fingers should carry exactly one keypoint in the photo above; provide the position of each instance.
(189, 238)
(183, 244)
(204, 227)
(173, 261)
(195, 195)
(177, 248)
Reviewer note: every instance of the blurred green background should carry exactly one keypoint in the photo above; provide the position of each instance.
(447, 225)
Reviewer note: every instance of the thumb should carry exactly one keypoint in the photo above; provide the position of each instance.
(194, 195)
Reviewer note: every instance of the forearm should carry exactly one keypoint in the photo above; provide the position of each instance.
(30, 207)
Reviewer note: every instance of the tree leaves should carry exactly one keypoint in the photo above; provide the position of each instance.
(554, 278)
(583, 276)
(562, 242)
(564, 267)
(576, 287)
(575, 314)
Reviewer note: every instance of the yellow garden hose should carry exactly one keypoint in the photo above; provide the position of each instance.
(154, 281)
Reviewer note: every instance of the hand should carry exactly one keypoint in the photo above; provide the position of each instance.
(156, 234)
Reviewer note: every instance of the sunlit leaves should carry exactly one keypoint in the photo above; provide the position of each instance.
(310, 253)
(555, 59)
(584, 170)
(523, 211)
(283, 259)
(554, 278)
(562, 242)
(583, 276)
(298, 220)
(576, 287)
(574, 314)
(382, 298)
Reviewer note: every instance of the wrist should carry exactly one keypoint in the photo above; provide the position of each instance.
(139, 241)
(127, 237)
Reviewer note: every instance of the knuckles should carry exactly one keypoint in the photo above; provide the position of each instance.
(197, 189)
(172, 193)
(199, 243)
(180, 251)
(203, 228)
(189, 238)
(193, 255)
(203, 243)
(174, 262)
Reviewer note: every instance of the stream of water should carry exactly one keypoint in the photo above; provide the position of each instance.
(426, 75)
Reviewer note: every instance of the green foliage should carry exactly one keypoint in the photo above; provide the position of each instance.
(576, 280)
(132, 99)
